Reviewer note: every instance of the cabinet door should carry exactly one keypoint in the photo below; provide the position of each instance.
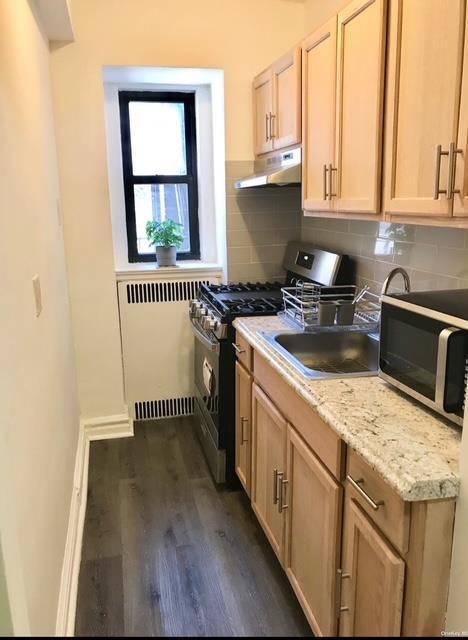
(313, 534)
(263, 106)
(318, 109)
(243, 425)
(361, 67)
(372, 579)
(286, 116)
(460, 199)
(423, 89)
(268, 459)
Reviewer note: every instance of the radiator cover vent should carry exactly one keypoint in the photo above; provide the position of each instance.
(150, 292)
(169, 408)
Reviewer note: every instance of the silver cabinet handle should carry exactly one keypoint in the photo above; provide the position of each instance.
(325, 170)
(331, 169)
(275, 486)
(437, 189)
(453, 152)
(356, 484)
(237, 348)
(282, 484)
(272, 126)
(267, 127)
(243, 438)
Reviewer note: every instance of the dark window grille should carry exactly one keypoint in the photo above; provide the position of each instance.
(161, 195)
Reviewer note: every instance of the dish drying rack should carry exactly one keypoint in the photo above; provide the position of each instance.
(301, 302)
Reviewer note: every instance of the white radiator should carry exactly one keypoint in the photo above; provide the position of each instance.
(157, 346)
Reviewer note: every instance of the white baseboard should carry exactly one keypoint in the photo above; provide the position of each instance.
(119, 426)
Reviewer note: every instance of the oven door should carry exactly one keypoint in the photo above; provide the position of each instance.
(424, 357)
(206, 373)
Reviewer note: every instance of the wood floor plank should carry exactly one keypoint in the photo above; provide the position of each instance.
(100, 599)
(194, 560)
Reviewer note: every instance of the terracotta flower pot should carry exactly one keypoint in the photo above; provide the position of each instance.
(166, 256)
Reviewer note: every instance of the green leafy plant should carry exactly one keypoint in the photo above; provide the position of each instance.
(165, 234)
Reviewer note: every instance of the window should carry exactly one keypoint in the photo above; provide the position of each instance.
(159, 158)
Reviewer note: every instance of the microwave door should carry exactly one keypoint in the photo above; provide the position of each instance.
(451, 370)
(408, 351)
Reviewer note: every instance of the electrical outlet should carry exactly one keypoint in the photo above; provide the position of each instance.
(36, 282)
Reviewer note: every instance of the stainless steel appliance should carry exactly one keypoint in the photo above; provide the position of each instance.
(212, 314)
(279, 170)
(424, 347)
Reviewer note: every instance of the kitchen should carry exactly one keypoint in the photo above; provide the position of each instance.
(116, 424)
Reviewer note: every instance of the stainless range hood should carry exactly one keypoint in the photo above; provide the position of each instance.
(280, 170)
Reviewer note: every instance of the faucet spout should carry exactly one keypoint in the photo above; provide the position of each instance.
(390, 277)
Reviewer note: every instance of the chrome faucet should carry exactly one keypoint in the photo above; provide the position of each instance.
(392, 274)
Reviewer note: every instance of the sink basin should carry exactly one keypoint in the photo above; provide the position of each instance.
(330, 352)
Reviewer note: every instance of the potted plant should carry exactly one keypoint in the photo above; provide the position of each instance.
(167, 237)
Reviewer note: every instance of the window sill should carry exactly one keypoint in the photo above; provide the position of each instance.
(151, 271)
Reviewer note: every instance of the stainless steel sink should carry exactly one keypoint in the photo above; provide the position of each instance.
(330, 352)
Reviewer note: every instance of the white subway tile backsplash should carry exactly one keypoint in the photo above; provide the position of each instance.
(436, 258)
(260, 222)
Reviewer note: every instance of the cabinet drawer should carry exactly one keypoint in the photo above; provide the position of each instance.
(321, 438)
(243, 351)
(389, 512)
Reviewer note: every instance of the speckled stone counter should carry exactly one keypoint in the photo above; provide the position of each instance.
(413, 449)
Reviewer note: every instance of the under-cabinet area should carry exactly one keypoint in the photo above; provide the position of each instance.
(354, 538)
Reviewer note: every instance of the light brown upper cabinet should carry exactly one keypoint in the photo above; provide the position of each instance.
(263, 103)
(460, 200)
(277, 104)
(318, 108)
(343, 88)
(423, 97)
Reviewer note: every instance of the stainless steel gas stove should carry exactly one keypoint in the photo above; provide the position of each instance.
(212, 314)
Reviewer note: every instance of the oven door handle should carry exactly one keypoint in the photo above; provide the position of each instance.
(209, 344)
(442, 357)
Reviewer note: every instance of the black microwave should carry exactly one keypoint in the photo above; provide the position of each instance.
(424, 348)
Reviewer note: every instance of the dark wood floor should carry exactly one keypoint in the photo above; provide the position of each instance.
(167, 553)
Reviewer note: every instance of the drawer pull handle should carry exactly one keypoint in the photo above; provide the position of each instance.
(238, 349)
(243, 438)
(283, 483)
(275, 486)
(357, 485)
(437, 189)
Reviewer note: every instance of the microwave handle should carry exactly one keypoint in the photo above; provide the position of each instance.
(442, 357)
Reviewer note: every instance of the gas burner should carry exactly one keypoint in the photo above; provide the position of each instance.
(252, 306)
(227, 288)
(239, 287)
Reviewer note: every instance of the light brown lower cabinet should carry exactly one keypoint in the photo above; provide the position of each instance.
(313, 534)
(268, 466)
(243, 426)
(372, 579)
(369, 565)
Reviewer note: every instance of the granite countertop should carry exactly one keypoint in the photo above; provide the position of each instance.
(412, 448)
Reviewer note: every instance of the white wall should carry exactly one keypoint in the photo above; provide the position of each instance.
(319, 11)
(38, 401)
(457, 613)
(238, 36)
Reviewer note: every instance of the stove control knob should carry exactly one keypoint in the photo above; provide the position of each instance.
(212, 324)
(194, 304)
(201, 311)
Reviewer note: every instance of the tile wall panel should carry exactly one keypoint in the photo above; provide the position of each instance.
(260, 222)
